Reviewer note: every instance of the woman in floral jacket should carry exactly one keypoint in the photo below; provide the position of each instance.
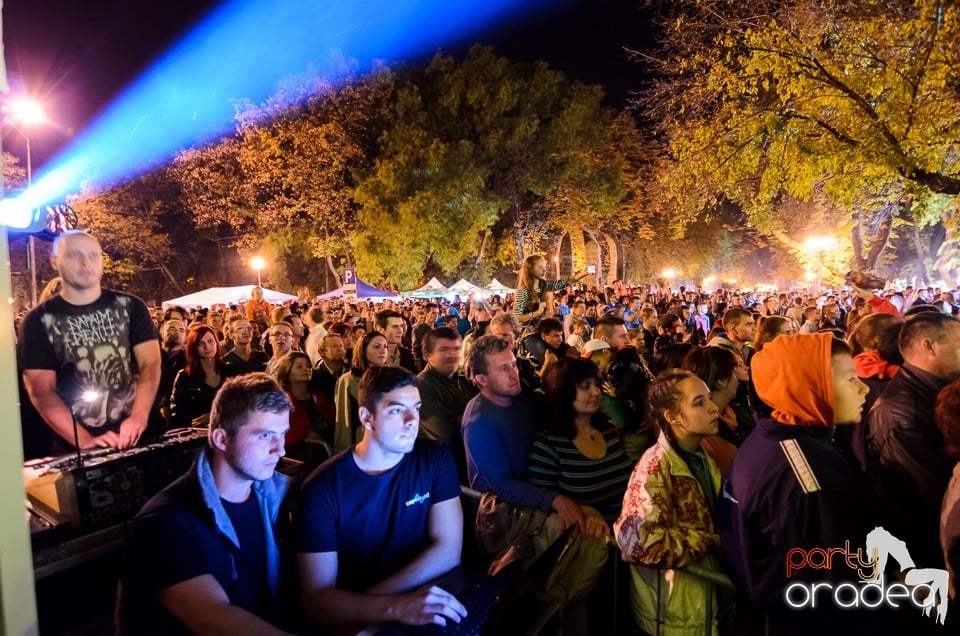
(666, 525)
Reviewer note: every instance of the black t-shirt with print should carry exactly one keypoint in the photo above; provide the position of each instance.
(91, 349)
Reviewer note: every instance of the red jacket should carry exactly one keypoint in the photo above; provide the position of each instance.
(300, 420)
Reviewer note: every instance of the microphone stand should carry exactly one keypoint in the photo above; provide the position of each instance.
(76, 439)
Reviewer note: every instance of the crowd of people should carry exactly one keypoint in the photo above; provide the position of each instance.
(709, 439)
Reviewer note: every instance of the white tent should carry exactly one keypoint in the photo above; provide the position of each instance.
(496, 287)
(226, 296)
(465, 288)
(432, 289)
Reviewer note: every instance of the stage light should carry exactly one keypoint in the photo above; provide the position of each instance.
(239, 52)
(15, 214)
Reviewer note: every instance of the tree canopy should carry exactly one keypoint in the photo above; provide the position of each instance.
(851, 102)
(484, 145)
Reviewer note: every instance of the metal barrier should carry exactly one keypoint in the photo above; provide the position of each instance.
(714, 579)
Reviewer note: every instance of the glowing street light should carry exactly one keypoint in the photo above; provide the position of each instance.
(819, 245)
(669, 274)
(258, 264)
(24, 114)
(27, 112)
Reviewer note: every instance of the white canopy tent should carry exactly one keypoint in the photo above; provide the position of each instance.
(496, 287)
(432, 289)
(464, 287)
(226, 296)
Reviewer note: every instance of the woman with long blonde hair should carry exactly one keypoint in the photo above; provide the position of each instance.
(530, 303)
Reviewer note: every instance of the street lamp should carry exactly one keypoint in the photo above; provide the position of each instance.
(258, 264)
(24, 115)
(819, 245)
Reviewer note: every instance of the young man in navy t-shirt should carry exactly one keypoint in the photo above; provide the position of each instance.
(381, 519)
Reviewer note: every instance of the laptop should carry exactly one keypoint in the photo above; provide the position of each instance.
(502, 605)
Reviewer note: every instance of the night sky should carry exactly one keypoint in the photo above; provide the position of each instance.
(76, 55)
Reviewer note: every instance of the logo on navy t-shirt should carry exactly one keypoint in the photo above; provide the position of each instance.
(418, 499)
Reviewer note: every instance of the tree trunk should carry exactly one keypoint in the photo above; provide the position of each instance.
(613, 258)
(483, 247)
(169, 276)
(426, 262)
(924, 278)
(520, 245)
(578, 255)
(599, 275)
(949, 248)
(868, 262)
(880, 242)
(856, 236)
(332, 271)
(330, 266)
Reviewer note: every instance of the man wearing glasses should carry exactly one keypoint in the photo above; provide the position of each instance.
(281, 339)
(173, 357)
(243, 358)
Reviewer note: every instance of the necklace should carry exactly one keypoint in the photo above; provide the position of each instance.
(591, 444)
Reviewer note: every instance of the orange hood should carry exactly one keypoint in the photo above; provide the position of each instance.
(793, 374)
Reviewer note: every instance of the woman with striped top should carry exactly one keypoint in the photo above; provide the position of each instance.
(581, 457)
(529, 303)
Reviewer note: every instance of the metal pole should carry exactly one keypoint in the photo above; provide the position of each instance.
(259, 280)
(31, 243)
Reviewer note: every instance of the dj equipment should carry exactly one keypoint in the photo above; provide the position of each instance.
(111, 485)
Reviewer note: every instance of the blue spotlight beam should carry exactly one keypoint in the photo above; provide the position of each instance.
(240, 51)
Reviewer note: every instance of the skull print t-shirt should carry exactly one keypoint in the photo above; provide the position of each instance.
(91, 349)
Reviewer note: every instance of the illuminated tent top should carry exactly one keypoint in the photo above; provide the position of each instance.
(496, 287)
(464, 287)
(226, 296)
(432, 289)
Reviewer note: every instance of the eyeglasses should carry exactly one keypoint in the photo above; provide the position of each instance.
(282, 335)
(242, 329)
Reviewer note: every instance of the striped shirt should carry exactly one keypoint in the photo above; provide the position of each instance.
(557, 464)
(522, 303)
